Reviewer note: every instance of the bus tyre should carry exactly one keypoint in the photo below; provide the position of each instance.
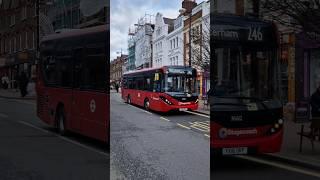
(147, 104)
(61, 121)
(129, 99)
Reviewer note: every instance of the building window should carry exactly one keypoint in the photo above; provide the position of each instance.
(24, 13)
(33, 40)
(20, 42)
(12, 20)
(26, 46)
(15, 44)
(35, 9)
(248, 6)
(177, 41)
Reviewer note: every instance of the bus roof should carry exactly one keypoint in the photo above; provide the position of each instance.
(76, 32)
(157, 68)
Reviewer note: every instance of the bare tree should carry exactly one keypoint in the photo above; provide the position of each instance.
(200, 48)
(299, 15)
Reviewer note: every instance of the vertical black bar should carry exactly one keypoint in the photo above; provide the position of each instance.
(190, 27)
(301, 138)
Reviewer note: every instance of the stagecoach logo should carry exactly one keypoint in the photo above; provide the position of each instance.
(92, 105)
(223, 132)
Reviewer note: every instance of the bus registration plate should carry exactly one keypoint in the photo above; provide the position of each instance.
(234, 151)
(183, 109)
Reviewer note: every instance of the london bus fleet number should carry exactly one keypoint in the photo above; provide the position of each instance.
(255, 34)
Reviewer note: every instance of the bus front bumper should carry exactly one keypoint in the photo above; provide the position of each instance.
(259, 145)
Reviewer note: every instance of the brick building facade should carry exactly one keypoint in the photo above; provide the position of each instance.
(117, 68)
(18, 37)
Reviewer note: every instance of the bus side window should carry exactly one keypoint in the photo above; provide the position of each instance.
(130, 83)
(157, 83)
(147, 82)
(77, 63)
(124, 83)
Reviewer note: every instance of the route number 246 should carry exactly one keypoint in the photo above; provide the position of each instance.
(255, 34)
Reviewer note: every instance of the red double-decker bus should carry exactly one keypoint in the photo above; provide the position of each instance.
(72, 85)
(161, 89)
(246, 111)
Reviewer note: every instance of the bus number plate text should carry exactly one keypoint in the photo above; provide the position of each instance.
(234, 151)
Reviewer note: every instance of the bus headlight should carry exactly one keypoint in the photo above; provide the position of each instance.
(280, 121)
(165, 100)
(276, 127)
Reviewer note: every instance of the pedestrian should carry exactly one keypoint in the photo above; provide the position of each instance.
(5, 81)
(15, 82)
(23, 84)
(315, 103)
(117, 87)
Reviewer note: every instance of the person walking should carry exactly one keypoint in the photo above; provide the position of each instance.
(117, 87)
(315, 103)
(23, 84)
(5, 81)
(16, 81)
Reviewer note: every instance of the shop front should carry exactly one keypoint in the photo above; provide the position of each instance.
(17, 63)
(307, 72)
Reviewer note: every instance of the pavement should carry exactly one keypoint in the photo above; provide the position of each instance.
(15, 93)
(32, 150)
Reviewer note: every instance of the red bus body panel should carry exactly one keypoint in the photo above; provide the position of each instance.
(261, 142)
(156, 104)
(77, 105)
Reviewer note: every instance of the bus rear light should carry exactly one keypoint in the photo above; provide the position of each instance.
(165, 100)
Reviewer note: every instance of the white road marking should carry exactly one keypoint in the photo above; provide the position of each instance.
(3, 115)
(201, 126)
(183, 126)
(65, 139)
(140, 109)
(282, 166)
(165, 119)
(203, 115)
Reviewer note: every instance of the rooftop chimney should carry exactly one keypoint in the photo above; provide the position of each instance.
(189, 5)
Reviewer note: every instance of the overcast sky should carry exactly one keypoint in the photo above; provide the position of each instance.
(125, 13)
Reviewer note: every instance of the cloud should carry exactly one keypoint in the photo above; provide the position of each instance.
(124, 14)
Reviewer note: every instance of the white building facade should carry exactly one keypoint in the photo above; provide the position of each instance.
(175, 43)
(143, 43)
(163, 26)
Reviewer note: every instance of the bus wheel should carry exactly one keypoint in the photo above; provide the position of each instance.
(129, 99)
(61, 121)
(147, 104)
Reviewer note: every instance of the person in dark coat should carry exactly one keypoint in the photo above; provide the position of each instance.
(23, 84)
(117, 87)
(315, 103)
